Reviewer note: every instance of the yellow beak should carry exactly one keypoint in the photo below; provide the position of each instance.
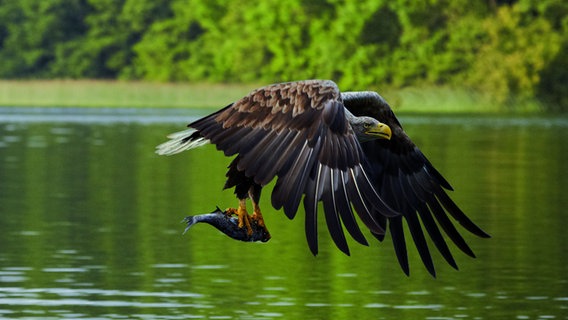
(380, 131)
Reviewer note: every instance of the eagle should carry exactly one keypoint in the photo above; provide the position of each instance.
(345, 150)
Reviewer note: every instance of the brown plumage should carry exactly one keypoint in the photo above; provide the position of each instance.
(346, 150)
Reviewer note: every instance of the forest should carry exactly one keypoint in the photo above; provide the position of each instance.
(509, 51)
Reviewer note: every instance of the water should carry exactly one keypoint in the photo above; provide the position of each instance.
(90, 228)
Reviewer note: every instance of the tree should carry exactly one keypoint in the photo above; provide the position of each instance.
(105, 51)
(32, 32)
(513, 54)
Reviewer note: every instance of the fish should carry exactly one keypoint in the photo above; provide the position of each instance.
(229, 225)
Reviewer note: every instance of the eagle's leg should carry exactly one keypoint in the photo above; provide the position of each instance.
(257, 218)
(254, 195)
(245, 187)
(242, 214)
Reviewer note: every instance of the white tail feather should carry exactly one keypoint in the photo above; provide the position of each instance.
(179, 141)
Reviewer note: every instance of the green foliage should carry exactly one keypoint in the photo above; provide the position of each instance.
(513, 55)
(105, 50)
(511, 51)
(32, 31)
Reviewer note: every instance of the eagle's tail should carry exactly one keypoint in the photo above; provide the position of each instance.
(181, 141)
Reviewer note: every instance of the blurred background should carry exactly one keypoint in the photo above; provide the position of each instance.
(90, 215)
(510, 52)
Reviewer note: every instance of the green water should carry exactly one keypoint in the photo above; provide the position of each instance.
(90, 228)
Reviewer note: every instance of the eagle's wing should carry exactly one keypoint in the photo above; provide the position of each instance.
(299, 132)
(408, 182)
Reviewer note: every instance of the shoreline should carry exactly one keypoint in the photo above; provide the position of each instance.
(140, 94)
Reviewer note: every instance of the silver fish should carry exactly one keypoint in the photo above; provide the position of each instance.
(228, 225)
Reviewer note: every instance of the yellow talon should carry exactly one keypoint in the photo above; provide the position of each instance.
(257, 218)
(244, 218)
(230, 211)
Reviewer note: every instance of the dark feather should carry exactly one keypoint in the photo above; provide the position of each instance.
(331, 208)
(344, 208)
(420, 242)
(436, 235)
(399, 242)
(459, 215)
(410, 184)
(449, 228)
(311, 222)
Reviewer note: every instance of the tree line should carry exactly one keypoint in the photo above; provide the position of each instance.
(508, 50)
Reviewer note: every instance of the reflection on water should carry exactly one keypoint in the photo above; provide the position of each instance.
(90, 228)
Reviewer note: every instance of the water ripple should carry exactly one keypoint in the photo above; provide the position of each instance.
(101, 292)
(98, 303)
(99, 115)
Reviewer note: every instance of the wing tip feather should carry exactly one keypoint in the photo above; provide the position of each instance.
(181, 141)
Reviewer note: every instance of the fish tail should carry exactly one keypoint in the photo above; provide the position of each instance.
(181, 141)
(190, 221)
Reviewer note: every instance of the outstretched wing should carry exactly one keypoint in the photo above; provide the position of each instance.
(408, 182)
(299, 132)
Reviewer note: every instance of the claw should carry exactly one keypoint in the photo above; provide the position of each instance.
(242, 214)
(246, 221)
(257, 218)
(230, 212)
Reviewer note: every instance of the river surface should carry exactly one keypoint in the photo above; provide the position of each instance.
(90, 227)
